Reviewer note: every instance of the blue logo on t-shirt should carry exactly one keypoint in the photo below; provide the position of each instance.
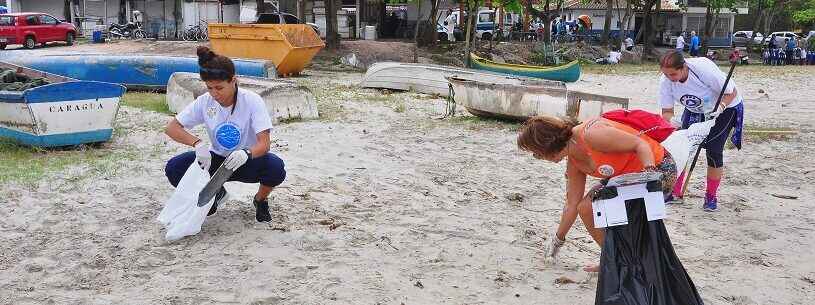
(692, 102)
(228, 135)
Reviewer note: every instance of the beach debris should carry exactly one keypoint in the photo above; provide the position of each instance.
(739, 300)
(501, 276)
(516, 197)
(563, 280)
(387, 241)
(419, 284)
(782, 196)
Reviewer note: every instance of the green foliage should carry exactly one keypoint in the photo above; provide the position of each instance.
(512, 6)
(804, 12)
(721, 5)
(147, 101)
(28, 165)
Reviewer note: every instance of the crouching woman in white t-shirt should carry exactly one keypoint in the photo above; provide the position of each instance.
(695, 83)
(238, 126)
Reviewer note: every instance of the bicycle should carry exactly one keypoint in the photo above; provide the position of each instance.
(197, 32)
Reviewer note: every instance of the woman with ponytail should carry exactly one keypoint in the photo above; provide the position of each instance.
(238, 127)
(600, 148)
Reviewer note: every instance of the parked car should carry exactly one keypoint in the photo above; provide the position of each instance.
(740, 38)
(31, 29)
(809, 36)
(780, 37)
(283, 18)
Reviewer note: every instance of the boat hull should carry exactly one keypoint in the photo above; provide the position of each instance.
(428, 79)
(284, 99)
(521, 101)
(566, 73)
(60, 114)
(135, 72)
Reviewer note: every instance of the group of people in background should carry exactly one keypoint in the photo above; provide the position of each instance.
(788, 52)
(694, 46)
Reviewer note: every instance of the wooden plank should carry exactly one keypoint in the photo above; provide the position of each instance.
(577, 95)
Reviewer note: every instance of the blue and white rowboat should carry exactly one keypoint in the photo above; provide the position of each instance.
(63, 113)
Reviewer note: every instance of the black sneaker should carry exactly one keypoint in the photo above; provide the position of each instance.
(262, 210)
(219, 199)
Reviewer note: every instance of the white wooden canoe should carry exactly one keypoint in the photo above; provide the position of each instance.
(428, 79)
(63, 113)
(528, 98)
(284, 99)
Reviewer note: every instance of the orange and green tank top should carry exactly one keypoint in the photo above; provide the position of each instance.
(608, 165)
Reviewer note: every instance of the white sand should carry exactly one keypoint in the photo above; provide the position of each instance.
(425, 208)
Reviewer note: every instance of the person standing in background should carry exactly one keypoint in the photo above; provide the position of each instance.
(680, 43)
(789, 50)
(694, 44)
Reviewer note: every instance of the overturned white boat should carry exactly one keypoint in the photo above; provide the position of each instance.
(56, 111)
(527, 98)
(429, 79)
(284, 99)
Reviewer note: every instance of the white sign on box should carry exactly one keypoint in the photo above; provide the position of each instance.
(612, 212)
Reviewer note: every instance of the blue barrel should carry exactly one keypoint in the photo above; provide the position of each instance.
(97, 36)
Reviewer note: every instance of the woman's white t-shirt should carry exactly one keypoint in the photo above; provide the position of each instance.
(699, 92)
(229, 128)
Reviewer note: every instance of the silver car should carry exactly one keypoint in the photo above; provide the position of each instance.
(741, 38)
(780, 38)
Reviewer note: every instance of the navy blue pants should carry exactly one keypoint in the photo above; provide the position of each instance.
(716, 139)
(267, 170)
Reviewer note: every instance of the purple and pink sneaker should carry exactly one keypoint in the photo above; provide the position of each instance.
(710, 204)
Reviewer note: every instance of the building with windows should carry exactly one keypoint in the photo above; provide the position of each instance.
(675, 17)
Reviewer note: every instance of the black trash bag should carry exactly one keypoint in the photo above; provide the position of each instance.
(638, 265)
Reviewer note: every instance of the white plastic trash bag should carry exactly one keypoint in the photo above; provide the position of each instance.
(682, 143)
(181, 214)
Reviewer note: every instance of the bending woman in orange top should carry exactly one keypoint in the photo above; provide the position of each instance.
(600, 148)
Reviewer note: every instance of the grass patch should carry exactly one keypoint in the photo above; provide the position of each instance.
(761, 134)
(479, 123)
(27, 165)
(147, 100)
(399, 108)
(620, 68)
(290, 120)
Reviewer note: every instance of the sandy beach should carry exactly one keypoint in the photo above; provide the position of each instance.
(385, 203)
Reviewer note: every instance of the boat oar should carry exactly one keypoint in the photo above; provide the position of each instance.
(699, 148)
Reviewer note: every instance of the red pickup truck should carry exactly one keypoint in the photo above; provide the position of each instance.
(30, 29)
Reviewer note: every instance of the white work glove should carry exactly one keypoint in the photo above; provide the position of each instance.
(697, 132)
(202, 155)
(236, 159)
(714, 114)
(552, 248)
(676, 122)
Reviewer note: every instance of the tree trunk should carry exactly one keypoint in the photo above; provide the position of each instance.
(624, 23)
(418, 29)
(607, 23)
(332, 38)
(648, 33)
(756, 23)
(425, 28)
(494, 17)
(433, 20)
(301, 10)
(708, 27)
(468, 38)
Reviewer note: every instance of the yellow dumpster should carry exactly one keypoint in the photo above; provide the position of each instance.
(289, 46)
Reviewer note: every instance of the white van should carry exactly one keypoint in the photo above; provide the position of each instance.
(486, 23)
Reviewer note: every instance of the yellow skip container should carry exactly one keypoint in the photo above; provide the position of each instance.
(289, 46)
